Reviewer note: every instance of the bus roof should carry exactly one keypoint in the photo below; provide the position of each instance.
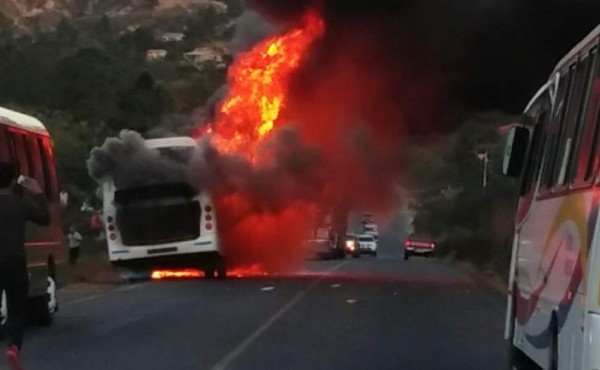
(581, 45)
(22, 121)
(170, 142)
(540, 92)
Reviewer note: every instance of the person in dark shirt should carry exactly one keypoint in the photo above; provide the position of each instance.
(15, 211)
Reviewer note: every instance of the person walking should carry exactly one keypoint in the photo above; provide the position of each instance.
(74, 241)
(20, 201)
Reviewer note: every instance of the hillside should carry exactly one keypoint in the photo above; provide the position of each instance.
(24, 15)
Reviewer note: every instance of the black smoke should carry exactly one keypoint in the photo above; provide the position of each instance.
(486, 54)
(288, 170)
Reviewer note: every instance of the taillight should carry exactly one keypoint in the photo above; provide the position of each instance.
(407, 243)
(432, 245)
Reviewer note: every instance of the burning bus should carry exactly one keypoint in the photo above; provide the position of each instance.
(164, 224)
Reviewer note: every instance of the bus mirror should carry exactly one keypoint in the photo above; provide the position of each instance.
(515, 151)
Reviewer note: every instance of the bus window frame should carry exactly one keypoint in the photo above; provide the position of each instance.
(589, 126)
(588, 65)
(539, 134)
(36, 156)
(561, 181)
(548, 177)
(49, 161)
(20, 151)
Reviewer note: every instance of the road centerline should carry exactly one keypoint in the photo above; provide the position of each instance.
(229, 358)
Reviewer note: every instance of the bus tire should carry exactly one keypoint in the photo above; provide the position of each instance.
(517, 360)
(553, 344)
(44, 307)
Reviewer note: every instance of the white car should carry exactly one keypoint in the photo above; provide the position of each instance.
(367, 244)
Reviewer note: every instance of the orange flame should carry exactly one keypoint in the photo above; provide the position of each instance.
(176, 274)
(258, 84)
(252, 271)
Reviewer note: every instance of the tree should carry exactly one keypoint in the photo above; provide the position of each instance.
(470, 221)
(142, 106)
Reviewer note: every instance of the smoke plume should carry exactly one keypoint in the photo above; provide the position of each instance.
(129, 163)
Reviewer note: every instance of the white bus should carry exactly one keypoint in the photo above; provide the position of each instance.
(164, 225)
(25, 142)
(553, 315)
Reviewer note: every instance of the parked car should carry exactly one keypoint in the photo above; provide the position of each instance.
(418, 247)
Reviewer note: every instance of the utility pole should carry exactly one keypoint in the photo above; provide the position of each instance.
(485, 158)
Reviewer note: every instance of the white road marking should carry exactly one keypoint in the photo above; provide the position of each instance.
(92, 297)
(244, 345)
(268, 288)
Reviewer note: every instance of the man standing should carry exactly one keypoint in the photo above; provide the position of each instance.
(74, 240)
(15, 211)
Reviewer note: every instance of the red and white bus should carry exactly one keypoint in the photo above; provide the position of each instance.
(553, 315)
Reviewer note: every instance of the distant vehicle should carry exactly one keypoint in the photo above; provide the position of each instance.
(553, 306)
(367, 217)
(371, 229)
(352, 246)
(326, 239)
(166, 225)
(367, 244)
(25, 141)
(418, 247)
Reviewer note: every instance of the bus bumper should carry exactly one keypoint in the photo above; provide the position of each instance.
(177, 261)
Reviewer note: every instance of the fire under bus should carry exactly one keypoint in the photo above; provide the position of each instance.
(168, 225)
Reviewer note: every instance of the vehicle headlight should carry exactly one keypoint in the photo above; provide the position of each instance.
(350, 244)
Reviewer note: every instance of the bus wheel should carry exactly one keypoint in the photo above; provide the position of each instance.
(44, 307)
(517, 360)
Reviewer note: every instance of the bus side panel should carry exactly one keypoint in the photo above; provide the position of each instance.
(550, 266)
(45, 245)
(590, 354)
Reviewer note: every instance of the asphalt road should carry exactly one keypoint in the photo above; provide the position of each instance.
(370, 313)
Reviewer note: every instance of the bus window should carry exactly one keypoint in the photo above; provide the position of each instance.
(35, 158)
(49, 168)
(555, 132)
(568, 125)
(538, 142)
(21, 153)
(45, 168)
(574, 121)
(589, 147)
(583, 139)
(5, 150)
